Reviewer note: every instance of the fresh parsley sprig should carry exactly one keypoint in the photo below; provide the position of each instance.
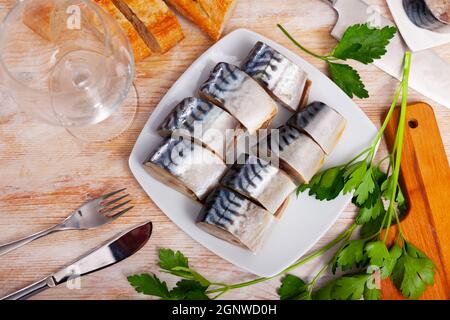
(410, 270)
(360, 42)
(192, 286)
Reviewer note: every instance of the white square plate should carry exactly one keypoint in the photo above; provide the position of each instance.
(305, 220)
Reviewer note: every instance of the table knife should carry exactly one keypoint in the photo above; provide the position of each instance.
(430, 74)
(111, 252)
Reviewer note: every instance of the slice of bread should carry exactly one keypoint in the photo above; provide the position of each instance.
(140, 49)
(209, 15)
(149, 24)
(154, 21)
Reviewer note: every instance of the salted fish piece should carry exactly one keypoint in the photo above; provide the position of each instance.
(186, 167)
(322, 123)
(203, 121)
(232, 89)
(230, 216)
(281, 77)
(297, 154)
(256, 179)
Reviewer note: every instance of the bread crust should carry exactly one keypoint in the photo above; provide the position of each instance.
(210, 15)
(154, 21)
(140, 49)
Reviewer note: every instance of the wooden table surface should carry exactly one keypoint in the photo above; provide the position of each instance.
(45, 173)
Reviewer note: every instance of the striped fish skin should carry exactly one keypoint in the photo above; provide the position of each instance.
(258, 180)
(240, 95)
(282, 78)
(205, 122)
(186, 167)
(433, 15)
(322, 123)
(299, 156)
(233, 218)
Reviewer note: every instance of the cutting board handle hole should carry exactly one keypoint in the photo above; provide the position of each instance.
(413, 123)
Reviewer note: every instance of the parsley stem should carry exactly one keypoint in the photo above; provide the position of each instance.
(348, 233)
(324, 58)
(344, 235)
(383, 160)
(312, 284)
(386, 121)
(400, 231)
(400, 136)
(220, 294)
(322, 250)
(358, 156)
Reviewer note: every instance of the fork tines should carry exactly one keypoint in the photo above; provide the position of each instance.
(110, 207)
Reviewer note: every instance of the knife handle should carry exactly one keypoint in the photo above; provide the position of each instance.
(31, 290)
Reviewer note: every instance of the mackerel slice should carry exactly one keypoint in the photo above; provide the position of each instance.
(203, 121)
(240, 95)
(281, 77)
(322, 123)
(230, 216)
(258, 180)
(296, 152)
(186, 167)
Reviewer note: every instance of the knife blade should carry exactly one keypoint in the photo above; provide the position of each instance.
(430, 74)
(109, 253)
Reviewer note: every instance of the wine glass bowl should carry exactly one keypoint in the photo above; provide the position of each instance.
(66, 62)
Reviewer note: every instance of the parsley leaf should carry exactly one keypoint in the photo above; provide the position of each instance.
(347, 79)
(351, 254)
(386, 191)
(189, 290)
(293, 288)
(324, 293)
(313, 183)
(378, 175)
(413, 272)
(177, 264)
(355, 174)
(149, 285)
(349, 287)
(377, 253)
(372, 294)
(367, 214)
(168, 259)
(365, 189)
(389, 264)
(371, 227)
(326, 185)
(363, 43)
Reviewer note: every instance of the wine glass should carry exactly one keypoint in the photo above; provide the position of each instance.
(68, 63)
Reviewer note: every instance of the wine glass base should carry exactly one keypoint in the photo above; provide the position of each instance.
(113, 126)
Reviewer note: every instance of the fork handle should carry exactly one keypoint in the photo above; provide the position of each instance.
(4, 249)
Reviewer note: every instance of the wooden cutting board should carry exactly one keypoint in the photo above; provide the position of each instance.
(425, 179)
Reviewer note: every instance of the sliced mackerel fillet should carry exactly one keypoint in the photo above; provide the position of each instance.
(282, 78)
(322, 123)
(240, 95)
(186, 167)
(258, 180)
(203, 121)
(295, 151)
(230, 216)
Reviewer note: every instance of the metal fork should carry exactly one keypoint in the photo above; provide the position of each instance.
(92, 214)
